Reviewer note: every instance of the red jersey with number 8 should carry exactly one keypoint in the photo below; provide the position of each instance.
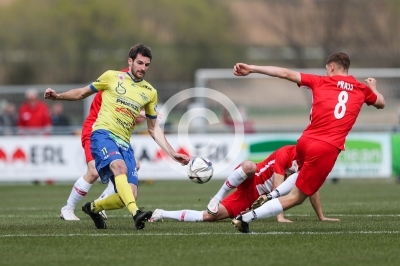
(336, 103)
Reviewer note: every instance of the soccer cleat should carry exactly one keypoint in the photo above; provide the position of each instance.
(140, 217)
(68, 214)
(103, 214)
(96, 217)
(156, 216)
(241, 225)
(260, 201)
(213, 206)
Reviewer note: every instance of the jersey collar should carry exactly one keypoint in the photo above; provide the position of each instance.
(136, 81)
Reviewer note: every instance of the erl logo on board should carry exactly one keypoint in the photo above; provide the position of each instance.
(36, 155)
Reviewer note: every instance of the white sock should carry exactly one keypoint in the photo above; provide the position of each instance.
(108, 191)
(79, 190)
(184, 215)
(269, 209)
(285, 187)
(234, 179)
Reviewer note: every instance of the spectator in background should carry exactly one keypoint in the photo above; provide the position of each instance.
(33, 116)
(59, 120)
(8, 119)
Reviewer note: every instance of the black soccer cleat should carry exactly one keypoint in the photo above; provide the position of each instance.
(140, 218)
(241, 225)
(96, 217)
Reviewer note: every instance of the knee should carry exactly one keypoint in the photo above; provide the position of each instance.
(91, 175)
(208, 217)
(296, 199)
(119, 168)
(249, 168)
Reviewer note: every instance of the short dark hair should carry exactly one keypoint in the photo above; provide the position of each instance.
(140, 49)
(339, 58)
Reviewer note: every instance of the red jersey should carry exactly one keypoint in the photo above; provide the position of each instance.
(281, 161)
(336, 103)
(36, 116)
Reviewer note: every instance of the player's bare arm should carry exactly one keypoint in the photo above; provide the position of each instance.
(241, 69)
(158, 135)
(380, 101)
(71, 95)
(315, 201)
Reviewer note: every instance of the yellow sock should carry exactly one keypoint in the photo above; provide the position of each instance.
(112, 202)
(125, 192)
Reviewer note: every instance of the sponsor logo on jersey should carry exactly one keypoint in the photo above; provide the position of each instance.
(120, 89)
(127, 125)
(125, 111)
(147, 87)
(144, 97)
(130, 103)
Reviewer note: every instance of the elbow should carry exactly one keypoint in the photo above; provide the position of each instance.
(380, 104)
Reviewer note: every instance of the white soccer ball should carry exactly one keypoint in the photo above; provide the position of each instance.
(200, 170)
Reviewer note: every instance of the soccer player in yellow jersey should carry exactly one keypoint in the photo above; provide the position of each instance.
(124, 95)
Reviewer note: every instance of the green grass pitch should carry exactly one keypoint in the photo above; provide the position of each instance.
(31, 232)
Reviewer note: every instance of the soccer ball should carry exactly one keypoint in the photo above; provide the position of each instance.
(200, 170)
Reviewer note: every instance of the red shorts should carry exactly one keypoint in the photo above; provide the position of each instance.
(85, 139)
(316, 159)
(242, 198)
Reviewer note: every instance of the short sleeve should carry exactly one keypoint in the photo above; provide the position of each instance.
(101, 83)
(282, 161)
(151, 107)
(309, 80)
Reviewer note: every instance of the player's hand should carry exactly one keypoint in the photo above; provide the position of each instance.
(50, 94)
(371, 82)
(241, 69)
(182, 158)
(137, 164)
(281, 219)
(325, 219)
(284, 220)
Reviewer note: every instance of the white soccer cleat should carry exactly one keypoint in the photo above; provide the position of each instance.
(103, 213)
(68, 214)
(213, 206)
(157, 216)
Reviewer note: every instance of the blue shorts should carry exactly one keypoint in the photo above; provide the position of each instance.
(106, 148)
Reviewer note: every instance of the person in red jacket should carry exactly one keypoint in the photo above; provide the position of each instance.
(33, 116)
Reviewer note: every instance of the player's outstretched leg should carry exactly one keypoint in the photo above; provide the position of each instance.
(90, 210)
(260, 201)
(108, 191)
(79, 190)
(156, 216)
(241, 225)
(140, 218)
(240, 174)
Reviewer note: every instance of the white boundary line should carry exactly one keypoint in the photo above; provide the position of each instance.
(126, 215)
(205, 234)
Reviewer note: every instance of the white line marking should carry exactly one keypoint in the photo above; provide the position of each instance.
(206, 233)
(126, 215)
